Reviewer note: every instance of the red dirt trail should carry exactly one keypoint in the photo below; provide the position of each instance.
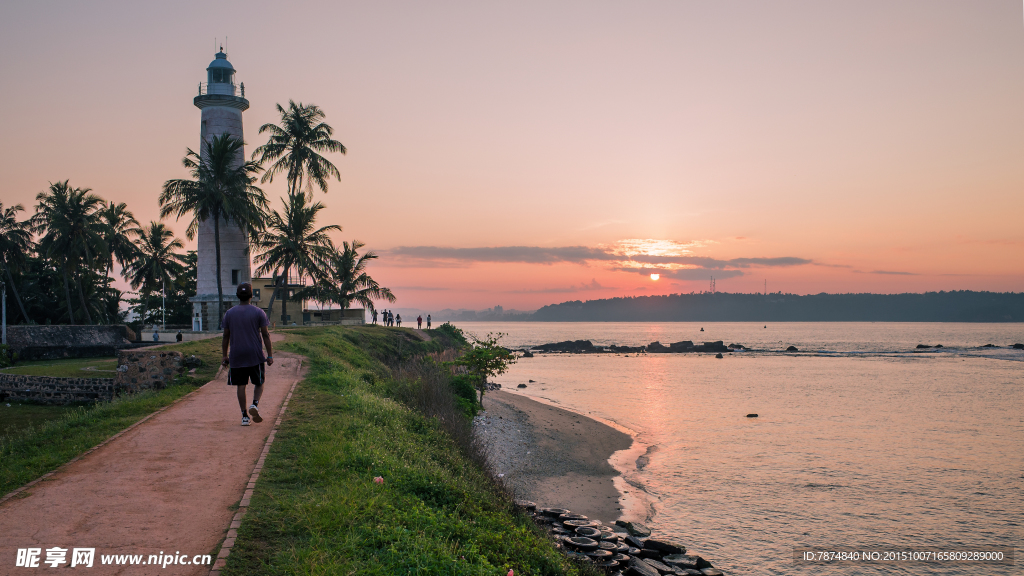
(169, 485)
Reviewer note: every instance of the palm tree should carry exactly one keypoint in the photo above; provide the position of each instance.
(344, 280)
(15, 244)
(71, 232)
(157, 263)
(120, 229)
(295, 146)
(292, 241)
(222, 188)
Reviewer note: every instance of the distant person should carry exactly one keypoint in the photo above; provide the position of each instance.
(419, 322)
(373, 316)
(398, 319)
(156, 335)
(428, 321)
(179, 337)
(244, 326)
(391, 318)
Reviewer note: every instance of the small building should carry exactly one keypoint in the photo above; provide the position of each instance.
(298, 312)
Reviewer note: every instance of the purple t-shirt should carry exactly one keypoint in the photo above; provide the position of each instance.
(246, 345)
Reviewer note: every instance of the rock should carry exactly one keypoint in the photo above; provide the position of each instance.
(683, 346)
(521, 386)
(921, 346)
(989, 346)
(737, 346)
(658, 348)
(712, 572)
(688, 572)
(751, 415)
(938, 346)
(650, 553)
(664, 546)
(574, 524)
(661, 568)
(588, 532)
(1018, 346)
(626, 349)
(719, 355)
(600, 554)
(681, 560)
(532, 381)
(634, 542)
(525, 505)
(572, 516)
(632, 551)
(555, 512)
(572, 346)
(637, 567)
(527, 354)
(635, 529)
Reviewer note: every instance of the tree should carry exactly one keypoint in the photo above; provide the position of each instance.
(120, 230)
(344, 280)
(71, 233)
(292, 241)
(157, 263)
(485, 359)
(295, 148)
(15, 245)
(222, 188)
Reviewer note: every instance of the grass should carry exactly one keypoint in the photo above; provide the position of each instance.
(104, 367)
(316, 507)
(37, 439)
(18, 417)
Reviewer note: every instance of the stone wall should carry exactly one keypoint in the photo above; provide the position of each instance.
(51, 390)
(52, 342)
(136, 371)
(146, 370)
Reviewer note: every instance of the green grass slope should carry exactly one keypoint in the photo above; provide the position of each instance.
(316, 507)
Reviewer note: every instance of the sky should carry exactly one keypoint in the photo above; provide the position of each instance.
(527, 153)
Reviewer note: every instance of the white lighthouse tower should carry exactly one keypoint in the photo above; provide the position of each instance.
(222, 103)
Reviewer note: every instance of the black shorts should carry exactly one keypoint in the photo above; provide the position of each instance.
(242, 376)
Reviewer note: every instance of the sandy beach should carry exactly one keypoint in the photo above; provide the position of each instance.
(551, 456)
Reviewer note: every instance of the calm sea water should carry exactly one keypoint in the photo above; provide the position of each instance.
(861, 441)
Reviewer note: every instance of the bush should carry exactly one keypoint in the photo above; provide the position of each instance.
(7, 357)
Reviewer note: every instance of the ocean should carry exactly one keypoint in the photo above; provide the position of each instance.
(862, 440)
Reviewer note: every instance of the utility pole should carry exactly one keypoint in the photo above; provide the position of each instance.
(3, 336)
(163, 304)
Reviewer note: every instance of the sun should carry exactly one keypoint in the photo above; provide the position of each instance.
(655, 276)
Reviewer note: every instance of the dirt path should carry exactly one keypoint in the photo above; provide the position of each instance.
(168, 486)
(423, 335)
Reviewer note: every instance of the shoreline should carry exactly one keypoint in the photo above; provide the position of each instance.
(560, 458)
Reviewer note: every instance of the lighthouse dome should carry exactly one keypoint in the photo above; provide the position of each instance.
(220, 71)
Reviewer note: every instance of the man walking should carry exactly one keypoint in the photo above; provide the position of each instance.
(244, 326)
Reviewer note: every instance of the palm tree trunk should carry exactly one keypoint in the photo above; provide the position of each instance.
(284, 299)
(67, 293)
(220, 288)
(21, 306)
(81, 300)
(273, 295)
(145, 312)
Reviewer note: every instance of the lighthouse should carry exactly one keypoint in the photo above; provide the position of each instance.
(222, 104)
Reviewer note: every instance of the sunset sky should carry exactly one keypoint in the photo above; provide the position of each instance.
(527, 153)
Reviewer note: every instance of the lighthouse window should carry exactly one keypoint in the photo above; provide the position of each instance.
(234, 277)
(220, 75)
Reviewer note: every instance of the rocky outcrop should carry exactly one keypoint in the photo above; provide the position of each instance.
(146, 370)
(572, 346)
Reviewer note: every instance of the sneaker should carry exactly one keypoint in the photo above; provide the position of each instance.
(255, 413)
(245, 420)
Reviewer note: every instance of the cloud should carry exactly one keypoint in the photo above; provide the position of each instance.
(889, 272)
(583, 287)
(526, 254)
(685, 273)
(705, 262)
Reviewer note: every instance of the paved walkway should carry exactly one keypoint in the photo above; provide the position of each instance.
(167, 486)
